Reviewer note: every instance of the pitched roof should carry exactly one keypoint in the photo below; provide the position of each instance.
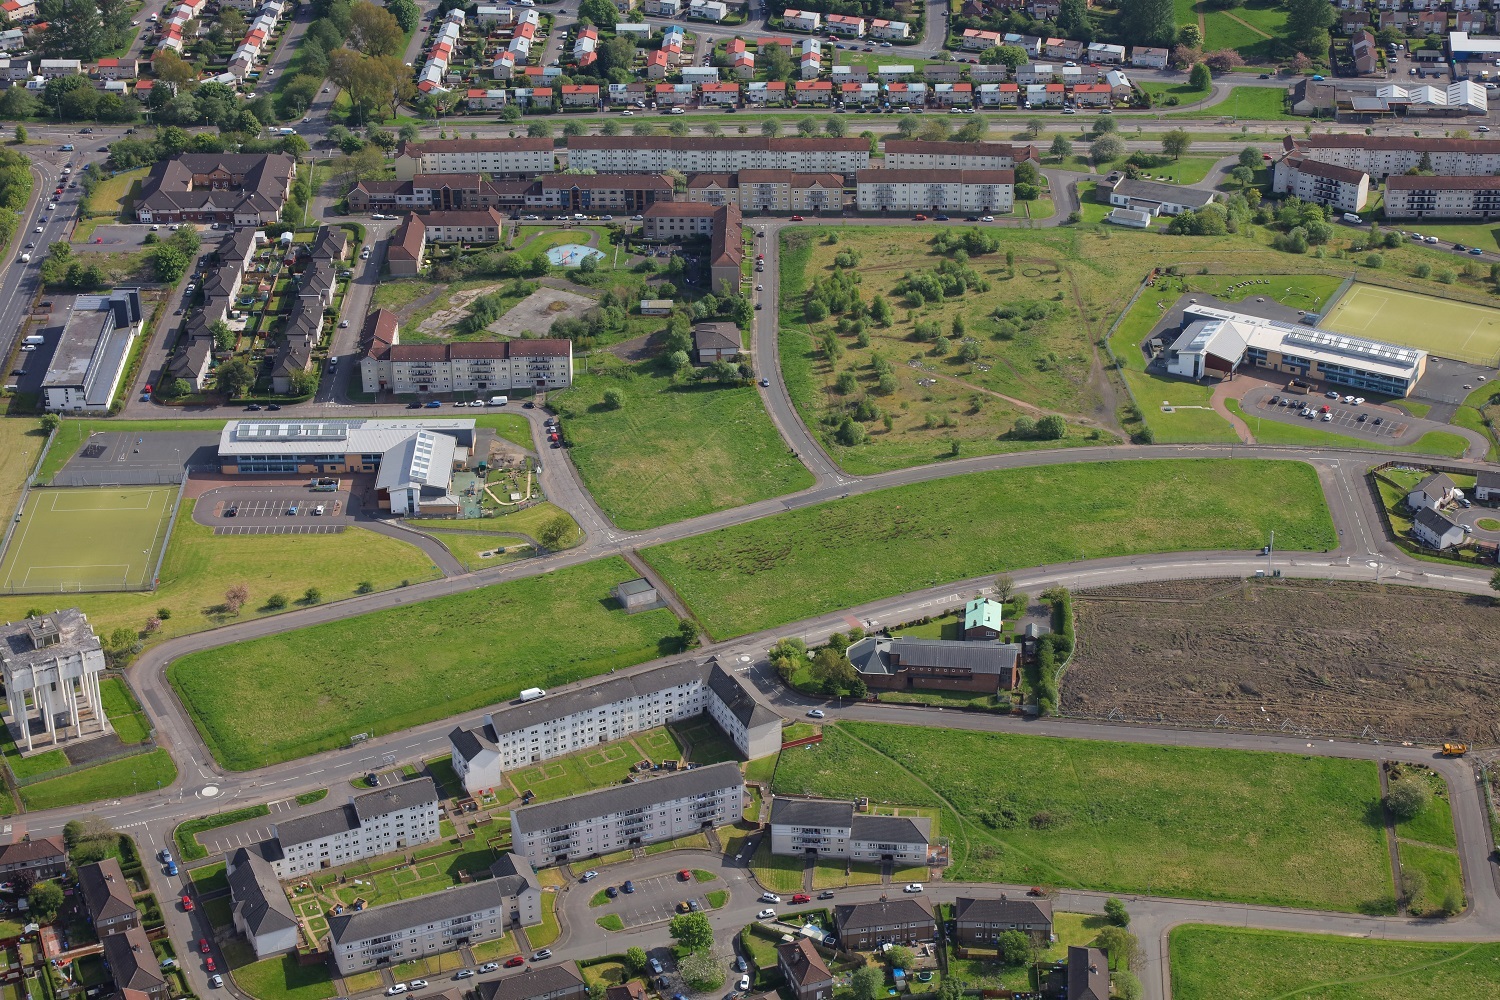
(169, 187)
(1088, 974)
(811, 812)
(257, 895)
(1434, 522)
(1332, 171)
(522, 144)
(1435, 487)
(434, 907)
(740, 702)
(513, 874)
(340, 819)
(803, 962)
(105, 891)
(607, 801)
(406, 243)
(39, 850)
(698, 142)
(892, 829)
(536, 981)
(881, 913)
(917, 175)
(1004, 910)
(378, 333)
(131, 961)
(1414, 182)
(716, 337)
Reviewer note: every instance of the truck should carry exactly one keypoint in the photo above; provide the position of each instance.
(287, 131)
(532, 694)
(26, 258)
(1452, 749)
(499, 400)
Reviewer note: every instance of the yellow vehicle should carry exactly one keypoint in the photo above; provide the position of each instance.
(1455, 749)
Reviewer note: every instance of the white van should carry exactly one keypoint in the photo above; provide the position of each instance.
(1353, 219)
(532, 694)
(33, 339)
(26, 258)
(499, 400)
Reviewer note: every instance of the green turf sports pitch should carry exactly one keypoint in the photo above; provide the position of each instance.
(70, 540)
(1442, 327)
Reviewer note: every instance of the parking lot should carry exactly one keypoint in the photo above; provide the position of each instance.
(1392, 427)
(274, 510)
(655, 899)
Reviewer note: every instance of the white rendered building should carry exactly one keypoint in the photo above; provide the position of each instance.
(935, 190)
(724, 154)
(423, 925)
(51, 666)
(834, 829)
(500, 158)
(914, 154)
(382, 821)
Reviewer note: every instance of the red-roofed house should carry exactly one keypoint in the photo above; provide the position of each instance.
(1093, 95)
(656, 65)
(580, 95)
(726, 94)
(814, 91)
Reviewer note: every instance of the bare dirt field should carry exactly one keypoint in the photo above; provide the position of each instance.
(536, 313)
(1289, 655)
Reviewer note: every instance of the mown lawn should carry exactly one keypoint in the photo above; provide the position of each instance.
(116, 779)
(1253, 103)
(21, 441)
(200, 567)
(125, 715)
(1274, 829)
(847, 552)
(1310, 434)
(1224, 963)
(672, 450)
(414, 664)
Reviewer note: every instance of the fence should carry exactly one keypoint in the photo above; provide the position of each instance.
(167, 541)
(134, 750)
(78, 588)
(120, 477)
(805, 741)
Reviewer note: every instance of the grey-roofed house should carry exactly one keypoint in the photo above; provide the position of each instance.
(942, 664)
(981, 920)
(1150, 196)
(520, 887)
(260, 911)
(1431, 493)
(601, 711)
(539, 982)
(716, 342)
(331, 244)
(89, 359)
(51, 666)
(133, 966)
(628, 816)
(804, 969)
(834, 828)
(753, 728)
(107, 898)
(903, 920)
(1088, 974)
(1435, 530)
(408, 929)
(383, 821)
(1487, 487)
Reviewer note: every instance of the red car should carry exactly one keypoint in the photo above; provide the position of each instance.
(203, 948)
(514, 961)
(684, 876)
(796, 218)
(208, 963)
(802, 897)
(187, 903)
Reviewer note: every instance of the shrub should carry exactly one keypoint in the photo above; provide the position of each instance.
(1408, 799)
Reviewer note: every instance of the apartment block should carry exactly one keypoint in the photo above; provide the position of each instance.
(1383, 155)
(500, 158)
(378, 822)
(1414, 197)
(770, 190)
(1342, 188)
(600, 192)
(904, 920)
(981, 921)
(261, 911)
(525, 734)
(628, 816)
(475, 366)
(834, 828)
(891, 190)
(725, 154)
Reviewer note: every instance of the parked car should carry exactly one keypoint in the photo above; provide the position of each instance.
(826, 894)
(611, 892)
(216, 981)
(744, 984)
(464, 974)
(769, 897)
(684, 876)
(542, 955)
(628, 887)
(740, 965)
(801, 897)
(514, 962)
(396, 990)
(418, 984)
(187, 903)
(766, 915)
(656, 968)
(203, 946)
(816, 713)
(589, 876)
(489, 967)
(913, 887)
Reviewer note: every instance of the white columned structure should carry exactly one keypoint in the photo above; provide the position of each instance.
(54, 658)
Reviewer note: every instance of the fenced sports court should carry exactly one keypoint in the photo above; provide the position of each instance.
(1444, 327)
(89, 539)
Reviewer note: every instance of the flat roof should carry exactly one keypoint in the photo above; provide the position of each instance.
(1372, 356)
(366, 437)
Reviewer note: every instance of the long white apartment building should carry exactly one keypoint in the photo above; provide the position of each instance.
(381, 821)
(1383, 155)
(565, 722)
(1342, 188)
(1423, 197)
(915, 154)
(725, 154)
(832, 828)
(890, 190)
(476, 366)
(623, 817)
(437, 922)
(502, 159)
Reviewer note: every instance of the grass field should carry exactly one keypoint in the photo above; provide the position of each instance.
(21, 441)
(1438, 443)
(116, 779)
(88, 539)
(1224, 963)
(471, 549)
(1446, 327)
(1252, 103)
(200, 566)
(672, 451)
(846, 552)
(415, 664)
(597, 767)
(123, 711)
(527, 521)
(1276, 829)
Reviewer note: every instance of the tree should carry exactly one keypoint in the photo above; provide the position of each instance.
(770, 128)
(635, 960)
(1115, 912)
(1149, 22)
(601, 13)
(1060, 147)
(1494, 577)
(556, 531)
(373, 31)
(1221, 61)
(407, 14)
(692, 931)
(312, 595)
(539, 130)
(907, 127)
(868, 983)
(1176, 142)
(687, 633)
(1408, 799)
(170, 263)
(21, 134)
(235, 598)
(1190, 36)
(1200, 78)
(900, 957)
(50, 422)
(573, 128)
(1005, 55)
(1119, 944)
(1005, 586)
(234, 376)
(1127, 986)
(702, 970)
(1106, 150)
(1073, 20)
(613, 400)
(1034, 128)
(1051, 427)
(276, 602)
(46, 899)
(1014, 947)
(224, 337)
(835, 128)
(880, 310)
(807, 126)
(1307, 25)
(1243, 176)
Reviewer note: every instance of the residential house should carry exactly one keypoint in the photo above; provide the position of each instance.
(953, 95)
(260, 909)
(1093, 95)
(833, 828)
(1430, 22)
(983, 619)
(132, 964)
(719, 94)
(814, 92)
(1363, 54)
(902, 663)
(977, 40)
(846, 25)
(38, 859)
(804, 970)
(1088, 974)
(1355, 21)
(1148, 57)
(1487, 487)
(770, 94)
(801, 20)
(716, 342)
(981, 920)
(116, 69)
(538, 982)
(52, 69)
(1106, 53)
(581, 95)
(1432, 493)
(107, 898)
(1158, 199)
(891, 31)
(904, 920)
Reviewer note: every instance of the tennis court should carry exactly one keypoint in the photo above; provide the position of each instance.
(104, 538)
(1442, 327)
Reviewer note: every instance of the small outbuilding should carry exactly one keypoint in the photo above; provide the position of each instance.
(637, 595)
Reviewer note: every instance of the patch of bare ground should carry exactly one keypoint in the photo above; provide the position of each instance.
(1287, 654)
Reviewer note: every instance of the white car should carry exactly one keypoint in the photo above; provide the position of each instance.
(1348, 399)
(1359, 401)
(913, 887)
(589, 876)
(419, 984)
(816, 713)
(744, 984)
(760, 288)
(39, 229)
(489, 967)
(318, 512)
(1328, 418)
(627, 111)
(766, 915)
(769, 897)
(51, 206)
(988, 218)
(396, 990)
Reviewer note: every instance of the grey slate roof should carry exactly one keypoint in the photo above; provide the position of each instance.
(513, 874)
(257, 894)
(131, 961)
(316, 826)
(1435, 487)
(470, 743)
(853, 917)
(169, 186)
(1487, 480)
(105, 891)
(811, 812)
(1430, 519)
(879, 655)
(342, 819)
(716, 337)
(607, 801)
(740, 702)
(435, 907)
(892, 829)
(1088, 974)
(1004, 910)
(536, 981)
(394, 798)
(1175, 194)
(560, 704)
